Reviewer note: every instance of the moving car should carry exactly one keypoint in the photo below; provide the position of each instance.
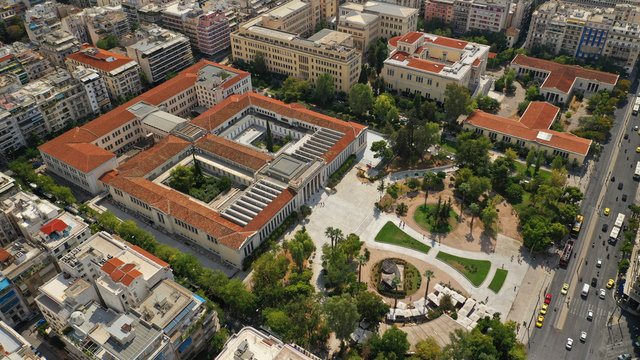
(589, 314)
(569, 343)
(635, 128)
(620, 185)
(626, 136)
(543, 309)
(602, 294)
(565, 289)
(607, 211)
(610, 283)
(585, 289)
(624, 197)
(540, 321)
(547, 299)
(599, 263)
(594, 282)
(624, 357)
(605, 227)
(583, 336)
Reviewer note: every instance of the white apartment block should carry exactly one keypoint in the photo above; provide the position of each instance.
(102, 22)
(250, 343)
(84, 154)
(161, 52)
(586, 32)
(94, 87)
(426, 64)
(57, 45)
(120, 73)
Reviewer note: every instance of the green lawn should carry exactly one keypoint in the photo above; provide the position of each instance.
(449, 146)
(522, 169)
(474, 270)
(498, 280)
(391, 234)
(526, 200)
(424, 218)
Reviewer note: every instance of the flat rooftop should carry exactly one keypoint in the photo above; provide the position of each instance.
(286, 166)
(10, 340)
(166, 303)
(252, 344)
(56, 288)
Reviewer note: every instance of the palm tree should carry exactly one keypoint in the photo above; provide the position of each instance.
(464, 189)
(396, 281)
(361, 259)
(426, 184)
(475, 210)
(429, 275)
(381, 187)
(334, 234)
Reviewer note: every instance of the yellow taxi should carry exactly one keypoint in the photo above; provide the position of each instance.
(638, 149)
(540, 320)
(610, 283)
(543, 309)
(565, 289)
(607, 211)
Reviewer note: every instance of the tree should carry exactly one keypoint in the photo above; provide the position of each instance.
(473, 153)
(360, 98)
(381, 150)
(341, 314)
(514, 193)
(218, 340)
(339, 270)
(108, 221)
(532, 93)
(323, 93)
(457, 101)
(396, 283)
(63, 194)
(383, 104)
(393, 344)
(522, 106)
(427, 349)
(531, 157)
(427, 184)
(107, 43)
(428, 274)
(401, 209)
(464, 188)
(322, 24)
(489, 218)
(381, 187)
(351, 245)
(267, 279)
(371, 307)
(334, 234)
(557, 163)
(361, 259)
(540, 159)
(239, 299)
(475, 210)
(259, 64)
(182, 178)
(269, 140)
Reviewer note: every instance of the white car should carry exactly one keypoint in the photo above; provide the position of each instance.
(635, 128)
(583, 336)
(599, 263)
(602, 294)
(569, 343)
(590, 315)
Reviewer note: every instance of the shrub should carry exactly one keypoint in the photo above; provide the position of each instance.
(268, 243)
(568, 114)
(335, 178)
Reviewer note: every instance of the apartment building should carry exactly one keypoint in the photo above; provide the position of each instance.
(532, 131)
(587, 32)
(440, 10)
(9, 64)
(13, 308)
(15, 346)
(94, 87)
(84, 154)
(121, 74)
(40, 20)
(207, 30)
(74, 24)
(289, 53)
(35, 65)
(102, 22)
(124, 284)
(27, 266)
(560, 82)
(630, 286)
(25, 112)
(364, 28)
(248, 342)
(161, 52)
(426, 64)
(57, 45)
(394, 19)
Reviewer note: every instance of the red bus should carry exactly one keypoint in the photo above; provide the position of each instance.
(566, 253)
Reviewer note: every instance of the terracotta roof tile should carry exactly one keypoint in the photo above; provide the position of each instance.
(561, 76)
(152, 158)
(399, 56)
(128, 278)
(394, 41)
(448, 42)
(425, 65)
(233, 151)
(4, 255)
(103, 59)
(111, 265)
(411, 37)
(492, 55)
(271, 210)
(127, 267)
(116, 275)
(539, 115)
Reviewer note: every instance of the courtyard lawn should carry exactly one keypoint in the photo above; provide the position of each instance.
(391, 234)
(425, 219)
(474, 270)
(450, 146)
(498, 280)
(522, 169)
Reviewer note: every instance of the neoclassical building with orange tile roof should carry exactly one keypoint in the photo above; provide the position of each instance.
(426, 64)
(267, 185)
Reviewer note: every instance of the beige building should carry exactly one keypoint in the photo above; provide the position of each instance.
(101, 23)
(426, 64)
(531, 131)
(289, 53)
(120, 73)
(56, 46)
(587, 32)
(160, 52)
(364, 28)
(394, 19)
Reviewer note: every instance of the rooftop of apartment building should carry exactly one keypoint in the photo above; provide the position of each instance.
(58, 38)
(562, 77)
(30, 211)
(100, 247)
(287, 9)
(181, 8)
(76, 147)
(250, 343)
(57, 231)
(380, 8)
(167, 304)
(104, 60)
(13, 345)
(60, 288)
(157, 38)
(563, 11)
(534, 125)
(19, 256)
(6, 183)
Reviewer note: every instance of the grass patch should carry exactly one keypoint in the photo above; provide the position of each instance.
(526, 201)
(425, 219)
(498, 280)
(522, 169)
(474, 270)
(450, 146)
(391, 234)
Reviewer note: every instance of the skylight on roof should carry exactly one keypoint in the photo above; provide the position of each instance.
(544, 136)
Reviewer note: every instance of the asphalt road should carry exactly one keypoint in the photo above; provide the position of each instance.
(608, 333)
